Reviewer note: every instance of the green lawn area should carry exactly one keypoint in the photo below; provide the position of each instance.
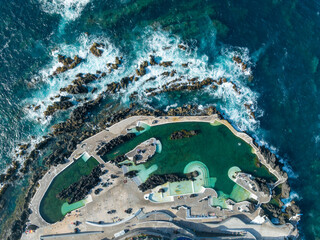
(50, 206)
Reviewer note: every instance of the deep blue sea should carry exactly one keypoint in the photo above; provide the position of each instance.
(279, 39)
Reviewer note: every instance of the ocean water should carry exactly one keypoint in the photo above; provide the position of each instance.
(277, 39)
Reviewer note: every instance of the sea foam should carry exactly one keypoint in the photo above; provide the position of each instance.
(68, 9)
(165, 47)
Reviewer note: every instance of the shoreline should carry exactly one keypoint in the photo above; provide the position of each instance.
(120, 128)
(115, 119)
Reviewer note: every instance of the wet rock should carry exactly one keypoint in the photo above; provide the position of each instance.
(152, 60)
(124, 82)
(24, 146)
(64, 98)
(262, 185)
(77, 118)
(68, 63)
(166, 64)
(94, 49)
(62, 105)
(271, 210)
(75, 89)
(185, 65)
(183, 134)
(113, 87)
(182, 47)
(142, 69)
(165, 74)
(107, 147)
(41, 145)
(84, 79)
(292, 210)
(117, 61)
(79, 190)
(239, 61)
(173, 72)
(156, 180)
(131, 174)
(94, 90)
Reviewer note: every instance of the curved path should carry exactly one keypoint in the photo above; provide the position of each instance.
(114, 223)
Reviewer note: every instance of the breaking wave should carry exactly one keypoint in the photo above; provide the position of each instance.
(165, 47)
(67, 9)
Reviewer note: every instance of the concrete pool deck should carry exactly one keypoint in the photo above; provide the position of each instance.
(90, 145)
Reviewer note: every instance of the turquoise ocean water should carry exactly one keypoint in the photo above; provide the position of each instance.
(278, 39)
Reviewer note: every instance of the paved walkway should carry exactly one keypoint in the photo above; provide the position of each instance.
(90, 146)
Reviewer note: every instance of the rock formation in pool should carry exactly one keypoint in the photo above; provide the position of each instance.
(156, 180)
(107, 147)
(183, 134)
(79, 190)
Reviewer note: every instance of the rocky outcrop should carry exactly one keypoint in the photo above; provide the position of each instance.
(285, 190)
(183, 134)
(182, 47)
(142, 69)
(74, 89)
(79, 190)
(41, 145)
(192, 175)
(273, 211)
(292, 210)
(152, 60)
(62, 105)
(272, 160)
(191, 85)
(238, 60)
(131, 174)
(77, 117)
(156, 180)
(262, 185)
(107, 147)
(94, 49)
(166, 63)
(68, 63)
(117, 160)
(84, 79)
(11, 172)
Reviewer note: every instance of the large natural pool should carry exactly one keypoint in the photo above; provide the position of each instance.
(216, 146)
(53, 209)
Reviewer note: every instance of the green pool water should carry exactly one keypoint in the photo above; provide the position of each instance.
(216, 146)
(53, 209)
(66, 207)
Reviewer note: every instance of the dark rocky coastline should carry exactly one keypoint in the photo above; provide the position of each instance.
(68, 63)
(57, 146)
(67, 134)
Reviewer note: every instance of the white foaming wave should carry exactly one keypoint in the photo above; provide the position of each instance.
(165, 48)
(287, 201)
(49, 86)
(68, 9)
(288, 169)
(286, 165)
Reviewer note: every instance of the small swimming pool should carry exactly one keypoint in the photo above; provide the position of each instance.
(53, 209)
